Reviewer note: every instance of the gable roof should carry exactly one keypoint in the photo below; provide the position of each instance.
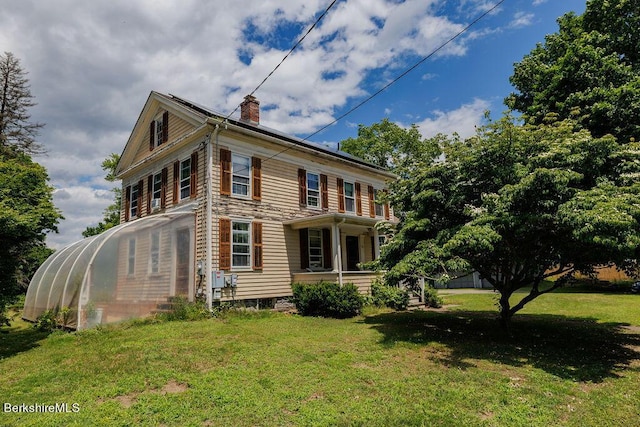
(200, 116)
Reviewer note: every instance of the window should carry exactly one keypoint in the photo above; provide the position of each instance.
(133, 201)
(185, 179)
(240, 171)
(154, 253)
(158, 131)
(378, 205)
(131, 261)
(315, 248)
(241, 244)
(349, 197)
(313, 190)
(158, 135)
(157, 186)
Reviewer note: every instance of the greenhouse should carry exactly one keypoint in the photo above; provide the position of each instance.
(129, 271)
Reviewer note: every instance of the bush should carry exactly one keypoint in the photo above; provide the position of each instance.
(183, 309)
(327, 299)
(389, 296)
(47, 321)
(431, 298)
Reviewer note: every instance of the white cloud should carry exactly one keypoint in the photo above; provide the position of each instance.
(462, 120)
(521, 19)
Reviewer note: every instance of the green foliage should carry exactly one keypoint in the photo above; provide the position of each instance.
(47, 321)
(327, 299)
(431, 298)
(389, 296)
(183, 309)
(112, 212)
(518, 204)
(27, 213)
(388, 145)
(589, 71)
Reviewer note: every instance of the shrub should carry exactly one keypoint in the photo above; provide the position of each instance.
(47, 321)
(431, 298)
(389, 296)
(183, 309)
(327, 299)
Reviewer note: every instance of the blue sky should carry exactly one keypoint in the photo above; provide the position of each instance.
(92, 65)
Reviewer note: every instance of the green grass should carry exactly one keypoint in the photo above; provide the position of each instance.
(572, 360)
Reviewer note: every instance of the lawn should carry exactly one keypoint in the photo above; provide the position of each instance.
(573, 359)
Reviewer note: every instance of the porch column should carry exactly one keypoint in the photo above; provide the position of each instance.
(336, 249)
(376, 243)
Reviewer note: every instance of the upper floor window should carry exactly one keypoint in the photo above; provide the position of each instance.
(185, 179)
(159, 130)
(241, 174)
(349, 197)
(133, 201)
(379, 207)
(313, 190)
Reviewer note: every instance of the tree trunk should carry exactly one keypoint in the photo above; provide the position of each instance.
(505, 311)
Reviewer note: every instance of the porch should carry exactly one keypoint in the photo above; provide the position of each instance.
(334, 247)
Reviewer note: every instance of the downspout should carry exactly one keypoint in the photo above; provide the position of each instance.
(209, 219)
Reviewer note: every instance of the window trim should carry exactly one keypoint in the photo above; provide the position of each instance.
(249, 245)
(352, 198)
(131, 256)
(134, 209)
(182, 180)
(248, 177)
(309, 190)
(321, 263)
(152, 236)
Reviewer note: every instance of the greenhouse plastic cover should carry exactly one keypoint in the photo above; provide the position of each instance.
(128, 271)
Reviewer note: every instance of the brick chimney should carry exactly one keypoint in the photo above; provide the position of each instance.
(250, 110)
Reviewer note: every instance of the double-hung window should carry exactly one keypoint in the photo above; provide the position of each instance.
(315, 248)
(159, 135)
(378, 205)
(157, 186)
(313, 190)
(154, 253)
(133, 201)
(185, 179)
(131, 261)
(349, 197)
(241, 175)
(240, 244)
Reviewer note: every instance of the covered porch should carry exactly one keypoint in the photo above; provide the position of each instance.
(334, 246)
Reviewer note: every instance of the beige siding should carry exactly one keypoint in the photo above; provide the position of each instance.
(177, 128)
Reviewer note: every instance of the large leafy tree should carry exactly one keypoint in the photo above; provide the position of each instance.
(27, 212)
(112, 212)
(17, 131)
(389, 145)
(520, 204)
(589, 71)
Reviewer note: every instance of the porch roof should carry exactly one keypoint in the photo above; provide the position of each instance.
(332, 218)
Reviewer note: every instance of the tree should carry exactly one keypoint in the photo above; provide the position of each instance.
(17, 132)
(388, 145)
(27, 213)
(588, 71)
(520, 204)
(112, 212)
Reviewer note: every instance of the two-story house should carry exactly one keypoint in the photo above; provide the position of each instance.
(224, 208)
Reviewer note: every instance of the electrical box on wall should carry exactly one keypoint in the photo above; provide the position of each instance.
(217, 294)
(231, 280)
(217, 281)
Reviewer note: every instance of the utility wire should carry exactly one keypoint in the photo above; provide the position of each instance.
(404, 73)
(287, 55)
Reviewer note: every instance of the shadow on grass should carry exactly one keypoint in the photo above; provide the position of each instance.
(572, 348)
(17, 339)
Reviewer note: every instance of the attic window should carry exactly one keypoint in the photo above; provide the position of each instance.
(159, 131)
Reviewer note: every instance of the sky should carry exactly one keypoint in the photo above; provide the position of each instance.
(92, 65)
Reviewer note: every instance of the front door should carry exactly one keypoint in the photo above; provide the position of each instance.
(183, 261)
(353, 253)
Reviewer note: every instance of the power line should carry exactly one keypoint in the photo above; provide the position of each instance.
(404, 73)
(287, 55)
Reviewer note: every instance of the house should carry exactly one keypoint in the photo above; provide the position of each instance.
(268, 209)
